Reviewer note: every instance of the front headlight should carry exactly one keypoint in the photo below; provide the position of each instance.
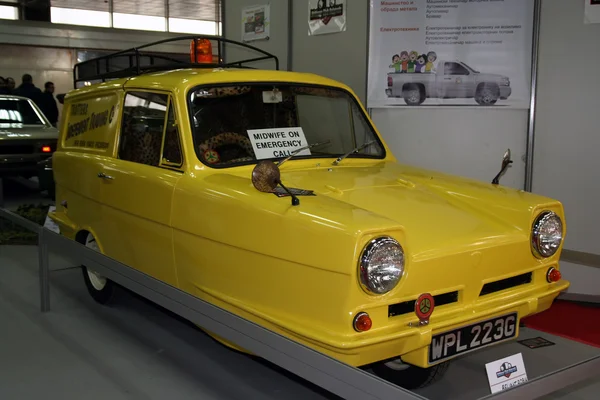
(546, 234)
(381, 265)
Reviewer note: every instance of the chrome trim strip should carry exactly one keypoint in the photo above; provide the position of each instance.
(583, 298)
(581, 258)
(532, 105)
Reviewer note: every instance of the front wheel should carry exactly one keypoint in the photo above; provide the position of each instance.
(487, 94)
(99, 287)
(409, 376)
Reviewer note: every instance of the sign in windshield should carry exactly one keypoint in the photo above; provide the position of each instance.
(235, 125)
(18, 111)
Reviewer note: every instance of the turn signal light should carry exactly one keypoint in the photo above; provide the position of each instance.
(46, 149)
(553, 275)
(362, 322)
(201, 51)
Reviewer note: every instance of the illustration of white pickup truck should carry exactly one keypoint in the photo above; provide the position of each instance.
(451, 79)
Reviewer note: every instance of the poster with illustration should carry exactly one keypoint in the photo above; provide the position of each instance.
(256, 22)
(450, 53)
(326, 16)
(592, 12)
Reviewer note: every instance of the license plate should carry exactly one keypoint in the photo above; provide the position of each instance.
(468, 338)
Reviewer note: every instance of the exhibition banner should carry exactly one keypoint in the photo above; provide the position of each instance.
(256, 23)
(326, 16)
(450, 53)
(592, 12)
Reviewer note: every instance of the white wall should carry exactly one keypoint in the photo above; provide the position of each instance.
(340, 56)
(31, 33)
(567, 134)
(468, 142)
(277, 43)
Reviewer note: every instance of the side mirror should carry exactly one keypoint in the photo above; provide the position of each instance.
(266, 177)
(506, 161)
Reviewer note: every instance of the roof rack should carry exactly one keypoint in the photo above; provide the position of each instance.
(138, 61)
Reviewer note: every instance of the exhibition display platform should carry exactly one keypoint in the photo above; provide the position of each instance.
(141, 349)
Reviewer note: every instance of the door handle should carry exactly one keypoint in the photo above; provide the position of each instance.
(104, 176)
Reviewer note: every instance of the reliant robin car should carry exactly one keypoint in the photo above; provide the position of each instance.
(272, 195)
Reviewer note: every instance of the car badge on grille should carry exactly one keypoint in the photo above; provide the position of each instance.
(424, 308)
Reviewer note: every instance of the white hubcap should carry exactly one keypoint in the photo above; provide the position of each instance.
(97, 281)
(396, 365)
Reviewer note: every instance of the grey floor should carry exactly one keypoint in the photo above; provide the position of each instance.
(136, 350)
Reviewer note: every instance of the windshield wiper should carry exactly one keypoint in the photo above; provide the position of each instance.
(355, 150)
(293, 153)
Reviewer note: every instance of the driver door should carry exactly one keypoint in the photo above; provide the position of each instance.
(456, 82)
(138, 186)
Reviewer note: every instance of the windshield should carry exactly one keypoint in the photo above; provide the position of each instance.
(470, 69)
(18, 111)
(235, 125)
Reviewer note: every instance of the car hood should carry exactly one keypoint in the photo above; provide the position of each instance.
(25, 132)
(435, 210)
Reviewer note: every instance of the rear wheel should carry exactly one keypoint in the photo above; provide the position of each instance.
(413, 95)
(100, 288)
(409, 376)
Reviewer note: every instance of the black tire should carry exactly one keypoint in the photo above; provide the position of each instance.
(487, 94)
(101, 289)
(411, 377)
(413, 95)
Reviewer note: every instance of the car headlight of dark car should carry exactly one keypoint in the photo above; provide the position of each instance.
(546, 234)
(381, 265)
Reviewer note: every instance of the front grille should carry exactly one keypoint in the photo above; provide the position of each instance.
(16, 149)
(407, 307)
(507, 283)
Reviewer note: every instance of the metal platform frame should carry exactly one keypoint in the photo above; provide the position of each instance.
(332, 375)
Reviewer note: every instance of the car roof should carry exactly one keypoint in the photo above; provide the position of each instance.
(12, 96)
(186, 77)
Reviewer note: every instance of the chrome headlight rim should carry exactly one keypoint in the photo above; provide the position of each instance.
(538, 223)
(368, 251)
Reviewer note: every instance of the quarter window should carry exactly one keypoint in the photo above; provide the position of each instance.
(172, 147)
(147, 119)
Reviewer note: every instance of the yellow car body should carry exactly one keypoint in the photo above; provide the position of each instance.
(295, 269)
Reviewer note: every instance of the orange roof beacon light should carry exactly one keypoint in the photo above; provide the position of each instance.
(201, 51)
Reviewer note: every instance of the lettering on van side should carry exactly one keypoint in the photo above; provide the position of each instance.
(79, 109)
(90, 123)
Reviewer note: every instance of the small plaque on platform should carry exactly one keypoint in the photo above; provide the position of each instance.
(537, 342)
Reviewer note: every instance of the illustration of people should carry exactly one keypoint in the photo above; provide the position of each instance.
(431, 57)
(420, 64)
(404, 61)
(396, 63)
(412, 61)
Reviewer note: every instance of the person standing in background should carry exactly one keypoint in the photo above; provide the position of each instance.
(28, 89)
(3, 88)
(10, 84)
(47, 103)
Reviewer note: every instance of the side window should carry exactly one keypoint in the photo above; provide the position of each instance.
(452, 68)
(172, 147)
(143, 126)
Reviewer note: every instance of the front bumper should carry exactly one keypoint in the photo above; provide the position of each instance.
(16, 164)
(505, 92)
(412, 343)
